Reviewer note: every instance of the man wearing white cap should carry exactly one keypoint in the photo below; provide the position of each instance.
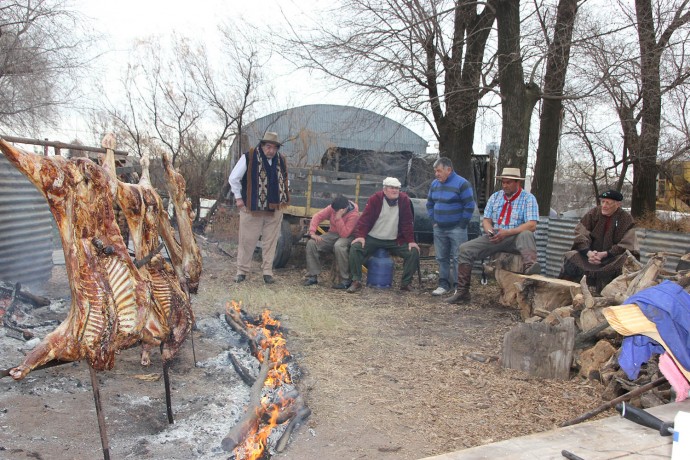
(387, 222)
(259, 182)
(510, 220)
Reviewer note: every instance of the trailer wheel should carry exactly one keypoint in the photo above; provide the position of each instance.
(284, 246)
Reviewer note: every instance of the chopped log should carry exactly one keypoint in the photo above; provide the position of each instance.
(647, 276)
(506, 281)
(583, 339)
(589, 299)
(241, 330)
(592, 360)
(251, 417)
(613, 402)
(302, 414)
(540, 293)
(539, 349)
(590, 318)
(555, 317)
(628, 284)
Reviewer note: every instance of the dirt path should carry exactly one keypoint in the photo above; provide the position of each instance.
(386, 375)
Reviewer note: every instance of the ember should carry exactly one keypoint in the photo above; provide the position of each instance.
(275, 407)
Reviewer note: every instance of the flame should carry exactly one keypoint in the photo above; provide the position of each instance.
(268, 336)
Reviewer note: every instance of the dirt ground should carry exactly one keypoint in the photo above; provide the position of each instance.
(387, 375)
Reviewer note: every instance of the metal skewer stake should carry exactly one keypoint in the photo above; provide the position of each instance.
(99, 413)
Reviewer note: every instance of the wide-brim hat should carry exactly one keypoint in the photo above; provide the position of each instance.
(510, 173)
(271, 138)
(629, 320)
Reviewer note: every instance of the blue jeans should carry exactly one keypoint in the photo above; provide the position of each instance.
(446, 244)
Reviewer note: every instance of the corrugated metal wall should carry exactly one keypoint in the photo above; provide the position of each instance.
(25, 229)
(655, 241)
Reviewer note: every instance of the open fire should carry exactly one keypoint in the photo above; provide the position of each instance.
(275, 407)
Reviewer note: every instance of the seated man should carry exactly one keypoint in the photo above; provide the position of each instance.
(601, 238)
(510, 220)
(387, 222)
(343, 216)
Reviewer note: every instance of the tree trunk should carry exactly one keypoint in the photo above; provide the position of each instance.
(644, 163)
(463, 77)
(551, 116)
(517, 99)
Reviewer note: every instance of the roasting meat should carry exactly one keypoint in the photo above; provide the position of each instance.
(191, 256)
(144, 211)
(113, 305)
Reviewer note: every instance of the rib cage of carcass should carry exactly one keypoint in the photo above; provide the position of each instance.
(115, 304)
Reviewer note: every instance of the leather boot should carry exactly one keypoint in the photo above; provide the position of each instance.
(462, 293)
(530, 266)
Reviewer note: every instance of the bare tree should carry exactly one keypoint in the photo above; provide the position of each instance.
(43, 49)
(424, 57)
(558, 56)
(177, 100)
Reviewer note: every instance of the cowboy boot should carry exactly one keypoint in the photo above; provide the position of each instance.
(530, 266)
(462, 293)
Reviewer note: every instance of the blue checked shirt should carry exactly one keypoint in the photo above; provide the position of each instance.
(525, 208)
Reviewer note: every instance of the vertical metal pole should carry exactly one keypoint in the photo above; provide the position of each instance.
(168, 398)
(99, 413)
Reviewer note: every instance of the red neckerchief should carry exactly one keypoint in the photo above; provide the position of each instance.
(508, 207)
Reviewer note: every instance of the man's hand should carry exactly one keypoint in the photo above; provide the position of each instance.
(315, 237)
(239, 203)
(359, 240)
(497, 236)
(412, 245)
(339, 214)
(595, 257)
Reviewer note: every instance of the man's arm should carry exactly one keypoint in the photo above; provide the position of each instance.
(235, 179)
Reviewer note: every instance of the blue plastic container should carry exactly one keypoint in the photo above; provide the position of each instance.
(380, 270)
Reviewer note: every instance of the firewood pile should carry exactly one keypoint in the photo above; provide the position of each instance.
(572, 315)
(275, 407)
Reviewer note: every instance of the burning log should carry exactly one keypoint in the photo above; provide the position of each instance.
(251, 417)
(241, 370)
(272, 403)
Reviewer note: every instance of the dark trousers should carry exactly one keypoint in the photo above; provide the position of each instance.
(359, 253)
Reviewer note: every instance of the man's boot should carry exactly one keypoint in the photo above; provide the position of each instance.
(530, 264)
(462, 293)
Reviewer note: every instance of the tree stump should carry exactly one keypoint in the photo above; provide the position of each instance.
(540, 350)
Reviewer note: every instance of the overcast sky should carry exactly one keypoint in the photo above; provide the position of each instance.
(124, 21)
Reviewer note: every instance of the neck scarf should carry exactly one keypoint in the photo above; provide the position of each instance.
(391, 202)
(508, 207)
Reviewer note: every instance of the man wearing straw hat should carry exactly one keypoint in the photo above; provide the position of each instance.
(510, 220)
(259, 182)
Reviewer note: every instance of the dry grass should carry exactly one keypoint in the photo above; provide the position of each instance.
(664, 223)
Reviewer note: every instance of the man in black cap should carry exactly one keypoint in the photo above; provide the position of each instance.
(601, 238)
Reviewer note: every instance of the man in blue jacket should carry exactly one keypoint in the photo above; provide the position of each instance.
(450, 205)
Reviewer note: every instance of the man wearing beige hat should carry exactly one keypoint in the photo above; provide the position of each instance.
(510, 220)
(259, 182)
(387, 222)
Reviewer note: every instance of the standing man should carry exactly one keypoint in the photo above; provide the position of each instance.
(450, 205)
(602, 238)
(342, 215)
(510, 220)
(259, 182)
(387, 222)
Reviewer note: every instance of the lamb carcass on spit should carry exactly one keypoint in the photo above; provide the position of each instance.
(145, 215)
(112, 302)
(190, 254)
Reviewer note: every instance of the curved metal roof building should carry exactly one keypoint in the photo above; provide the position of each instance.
(308, 131)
